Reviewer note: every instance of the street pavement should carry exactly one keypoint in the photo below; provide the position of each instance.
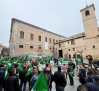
(68, 87)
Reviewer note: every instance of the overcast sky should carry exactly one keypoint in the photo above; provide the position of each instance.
(59, 16)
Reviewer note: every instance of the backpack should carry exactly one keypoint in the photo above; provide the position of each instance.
(81, 75)
(1, 74)
(48, 78)
(34, 77)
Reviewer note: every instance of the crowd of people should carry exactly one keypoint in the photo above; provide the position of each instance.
(16, 79)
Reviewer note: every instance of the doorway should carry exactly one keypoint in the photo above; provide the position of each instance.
(69, 56)
(60, 53)
(74, 56)
(78, 56)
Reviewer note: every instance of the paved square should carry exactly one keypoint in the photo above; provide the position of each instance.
(68, 87)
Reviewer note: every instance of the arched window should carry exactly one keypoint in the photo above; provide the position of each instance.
(87, 12)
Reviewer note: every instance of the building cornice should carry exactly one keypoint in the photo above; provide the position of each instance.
(13, 19)
(77, 36)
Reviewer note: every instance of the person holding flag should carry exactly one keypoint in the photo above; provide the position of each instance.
(34, 79)
(11, 83)
(70, 73)
(34, 71)
(23, 77)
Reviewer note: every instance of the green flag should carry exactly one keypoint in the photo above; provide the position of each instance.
(29, 70)
(27, 58)
(41, 83)
(48, 59)
(6, 72)
(68, 60)
(62, 61)
(20, 67)
(78, 60)
(20, 63)
(10, 63)
(17, 58)
(6, 59)
(38, 66)
(14, 60)
(71, 73)
(6, 54)
(1, 57)
(57, 58)
(24, 58)
(3, 61)
(12, 56)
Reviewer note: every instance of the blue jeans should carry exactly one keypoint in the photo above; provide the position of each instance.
(1, 86)
(59, 88)
(71, 80)
(24, 88)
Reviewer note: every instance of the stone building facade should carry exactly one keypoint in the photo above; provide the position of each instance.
(29, 39)
(86, 42)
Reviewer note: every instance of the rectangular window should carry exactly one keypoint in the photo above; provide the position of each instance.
(45, 39)
(53, 41)
(73, 49)
(50, 48)
(93, 46)
(59, 45)
(73, 42)
(39, 47)
(31, 36)
(39, 38)
(21, 34)
(49, 40)
(31, 47)
(20, 46)
(68, 49)
(56, 41)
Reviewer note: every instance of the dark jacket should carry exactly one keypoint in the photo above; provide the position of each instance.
(82, 81)
(93, 86)
(2, 73)
(73, 65)
(89, 78)
(52, 78)
(90, 73)
(17, 69)
(60, 79)
(22, 75)
(69, 68)
(1, 65)
(11, 83)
